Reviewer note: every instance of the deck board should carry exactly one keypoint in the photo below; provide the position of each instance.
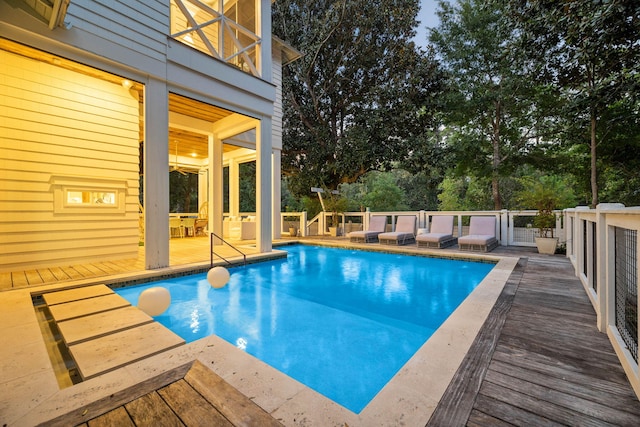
(544, 364)
(150, 410)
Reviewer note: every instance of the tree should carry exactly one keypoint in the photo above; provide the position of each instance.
(589, 50)
(491, 105)
(354, 99)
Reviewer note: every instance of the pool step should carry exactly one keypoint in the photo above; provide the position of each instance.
(103, 332)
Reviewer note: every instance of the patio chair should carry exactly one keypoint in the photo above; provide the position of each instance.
(201, 225)
(404, 233)
(482, 235)
(376, 226)
(175, 227)
(189, 225)
(440, 234)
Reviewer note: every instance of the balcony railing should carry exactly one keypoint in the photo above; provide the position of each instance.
(223, 29)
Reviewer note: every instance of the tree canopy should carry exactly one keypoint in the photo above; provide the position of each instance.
(359, 94)
(505, 89)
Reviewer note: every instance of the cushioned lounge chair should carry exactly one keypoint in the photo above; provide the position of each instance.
(376, 226)
(440, 234)
(482, 235)
(404, 233)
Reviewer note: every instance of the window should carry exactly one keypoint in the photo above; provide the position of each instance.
(87, 195)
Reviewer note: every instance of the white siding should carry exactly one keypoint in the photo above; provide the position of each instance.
(276, 74)
(60, 128)
(133, 32)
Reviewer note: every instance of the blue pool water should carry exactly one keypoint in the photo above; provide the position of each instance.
(341, 321)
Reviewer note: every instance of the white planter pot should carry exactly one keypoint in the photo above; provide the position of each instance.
(547, 245)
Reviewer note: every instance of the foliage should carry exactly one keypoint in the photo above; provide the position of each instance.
(546, 193)
(464, 194)
(490, 107)
(588, 51)
(356, 100)
(183, 194)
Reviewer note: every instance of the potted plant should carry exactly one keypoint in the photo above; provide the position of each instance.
(336, 204)
(546, 194)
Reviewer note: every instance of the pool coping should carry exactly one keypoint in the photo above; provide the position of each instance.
(409, 398)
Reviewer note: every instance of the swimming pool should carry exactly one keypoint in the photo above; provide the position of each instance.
(343, 322)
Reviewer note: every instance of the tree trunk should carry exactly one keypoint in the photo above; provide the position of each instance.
(594, 171)
(495, 161)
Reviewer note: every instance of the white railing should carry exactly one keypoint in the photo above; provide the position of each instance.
(602, 245)
(228, 36)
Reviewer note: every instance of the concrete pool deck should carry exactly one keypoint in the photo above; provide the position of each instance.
(32, 394)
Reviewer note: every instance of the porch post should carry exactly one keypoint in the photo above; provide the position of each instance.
(156, 175)
(215, 187)
(263, 185)
(234, 188)
(277, 191)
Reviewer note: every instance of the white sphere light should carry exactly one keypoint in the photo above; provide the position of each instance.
(154, 301)
(218, 277)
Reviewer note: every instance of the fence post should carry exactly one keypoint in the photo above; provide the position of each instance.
(505, 232)
(304, 231)
(366, 218)
(604, 258)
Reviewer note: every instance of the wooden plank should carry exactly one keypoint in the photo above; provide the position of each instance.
(104, 354)
(116, 418)
(235, 406)
(97, 325)
(59, 273)
(480, 419)
(84, 307)
(119, 398)
(456, 404)
(151, 410)
(584, 388)
(550, 395)
(191, 407)
(533, 405)
(75, 294)
(47, 275)
(33, 277)
(19, 279)
(511, 414)
(5, 281)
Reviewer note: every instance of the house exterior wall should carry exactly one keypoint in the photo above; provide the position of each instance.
(60, 132)
(132, 39)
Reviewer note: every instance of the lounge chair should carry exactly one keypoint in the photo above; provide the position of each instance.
(440, 234)
(377, 225)
(482, 235)
(404, 233)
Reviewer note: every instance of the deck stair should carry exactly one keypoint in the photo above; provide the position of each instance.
(103, 331)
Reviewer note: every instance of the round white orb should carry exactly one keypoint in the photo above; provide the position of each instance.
(218, 277)
(154, 301)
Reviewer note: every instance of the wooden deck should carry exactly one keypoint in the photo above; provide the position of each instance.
(539, 359)
(198, 397)
(188, 250)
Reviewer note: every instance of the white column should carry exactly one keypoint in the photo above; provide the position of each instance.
(264, 31)
(215, 186)
(234, 188)
(156, 175)
(263, 185)
(277, 192)
(203, 188)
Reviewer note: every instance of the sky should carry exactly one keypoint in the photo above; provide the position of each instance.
(427, 18)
